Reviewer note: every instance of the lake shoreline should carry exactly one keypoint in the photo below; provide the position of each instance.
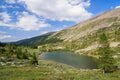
(70, 58)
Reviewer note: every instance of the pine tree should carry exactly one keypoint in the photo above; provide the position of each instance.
(9, 50)
(107, 62)
(34, 60)
(18, 53)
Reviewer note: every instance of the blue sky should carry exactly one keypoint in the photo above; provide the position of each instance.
(21, 19)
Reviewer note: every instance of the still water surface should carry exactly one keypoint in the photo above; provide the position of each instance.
(70, 58)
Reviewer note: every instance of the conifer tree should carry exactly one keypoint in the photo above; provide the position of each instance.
(34, 60)
(107, 62)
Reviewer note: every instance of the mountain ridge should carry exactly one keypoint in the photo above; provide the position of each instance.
(83, 34)
(99, 17)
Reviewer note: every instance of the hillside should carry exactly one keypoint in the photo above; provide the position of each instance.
(34, 41)
(105, 20)
(82, 35)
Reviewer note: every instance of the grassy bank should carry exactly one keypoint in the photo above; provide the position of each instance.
(48, 70)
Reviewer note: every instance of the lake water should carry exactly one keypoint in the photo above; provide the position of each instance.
(70, 58)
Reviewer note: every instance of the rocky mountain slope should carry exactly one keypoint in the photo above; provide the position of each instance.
(105, 20)
(82, 35)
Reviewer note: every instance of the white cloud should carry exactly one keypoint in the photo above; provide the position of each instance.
(5, 17)
(25, 22)
(9, 6)
(117, 7)
(69, 10)
(30, 22)
(75, 2)
(11, 1)
(44, 32)
(78, 2)
(4, 35)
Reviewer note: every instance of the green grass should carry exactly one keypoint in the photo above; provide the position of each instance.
(48, 70)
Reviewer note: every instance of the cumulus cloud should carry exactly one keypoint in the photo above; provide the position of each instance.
(30, 22)
(117, 7)
(25, 22)
(68, 10)
(56, 10)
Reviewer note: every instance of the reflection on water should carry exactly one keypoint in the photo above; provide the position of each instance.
(70, 58)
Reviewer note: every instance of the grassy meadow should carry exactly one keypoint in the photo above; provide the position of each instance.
(49, 70)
